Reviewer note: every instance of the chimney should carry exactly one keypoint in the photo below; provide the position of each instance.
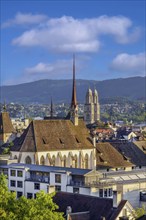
(68, 210)
(117, 197)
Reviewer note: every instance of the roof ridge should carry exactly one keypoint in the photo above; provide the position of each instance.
(33, 129)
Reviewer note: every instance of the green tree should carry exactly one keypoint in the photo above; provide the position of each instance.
(42, 208)
(140, 212)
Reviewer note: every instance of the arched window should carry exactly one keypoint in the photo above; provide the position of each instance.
(53, 160)
(74, 162)
(15, 157)
(42, 160)
(28, 160)
(64, 161)
(86, 161)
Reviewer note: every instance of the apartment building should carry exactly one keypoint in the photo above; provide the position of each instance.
(28, 179)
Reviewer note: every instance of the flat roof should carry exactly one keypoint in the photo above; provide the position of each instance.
(43, 168)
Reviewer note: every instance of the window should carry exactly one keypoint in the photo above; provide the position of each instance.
(110, 192)
(57, 188)
(19, 194)
(19, 184)
(143, 196)
(105, 192)
(75, 190)
(13, 183)
(29, 195)
(57, 178)
(100, 192)
(13, 172)
(42, 160)
(28, 160)
(86, 161)
(53, 161)
(37, 186)
(19, 173)
(64, 161)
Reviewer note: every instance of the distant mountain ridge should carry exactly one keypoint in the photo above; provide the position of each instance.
(60, 90)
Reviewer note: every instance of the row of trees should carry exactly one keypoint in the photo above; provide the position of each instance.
(42, 208)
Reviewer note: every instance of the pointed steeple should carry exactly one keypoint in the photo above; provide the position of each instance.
(51, 111)
(74, 105)
(74, 98)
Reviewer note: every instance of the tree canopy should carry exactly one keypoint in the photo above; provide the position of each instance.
(42, 208)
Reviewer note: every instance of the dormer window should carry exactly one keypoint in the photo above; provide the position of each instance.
(144, 148)
(61, 141)
(43, 141)
(77, 140)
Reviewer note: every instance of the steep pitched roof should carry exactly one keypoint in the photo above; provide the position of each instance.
(108, 156)
(131, 151)
(119, 209)
(5, 123)
(81, 203)
(26, 142)
(46, 135)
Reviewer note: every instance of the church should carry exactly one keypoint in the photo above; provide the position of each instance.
(57, 142)
(64, 142)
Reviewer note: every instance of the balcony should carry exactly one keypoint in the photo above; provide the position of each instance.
(41, 179)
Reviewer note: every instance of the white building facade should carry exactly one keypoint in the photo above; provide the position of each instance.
(27, 180)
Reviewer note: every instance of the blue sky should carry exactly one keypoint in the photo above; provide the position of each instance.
(38, 39)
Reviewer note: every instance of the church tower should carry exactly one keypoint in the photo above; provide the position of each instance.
(96, 106)
(74, 105)
(89, 108)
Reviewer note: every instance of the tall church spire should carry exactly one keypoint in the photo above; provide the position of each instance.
(74, 98)
(74, 105)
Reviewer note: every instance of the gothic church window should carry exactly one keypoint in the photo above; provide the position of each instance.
(86, 161)
(42, 160)
(28, 160)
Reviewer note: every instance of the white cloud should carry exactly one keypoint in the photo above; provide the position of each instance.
(25, 19)
(50, 69)
(56, 70)
(129, 63)
(67, 34)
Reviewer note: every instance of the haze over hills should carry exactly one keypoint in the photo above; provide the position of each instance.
(60, 90)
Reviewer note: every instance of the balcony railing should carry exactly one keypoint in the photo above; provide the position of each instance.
(42, 179)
